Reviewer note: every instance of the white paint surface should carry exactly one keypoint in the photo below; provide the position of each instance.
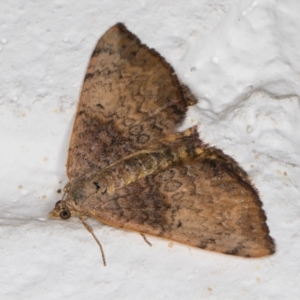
(241, 59)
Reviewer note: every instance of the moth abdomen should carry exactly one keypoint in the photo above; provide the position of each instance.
(138, 165)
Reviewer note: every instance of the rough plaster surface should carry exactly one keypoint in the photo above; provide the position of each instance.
(241, 59)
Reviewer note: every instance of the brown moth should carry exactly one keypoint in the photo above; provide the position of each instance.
(130, 169)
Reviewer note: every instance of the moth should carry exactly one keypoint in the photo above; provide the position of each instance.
(129, 168)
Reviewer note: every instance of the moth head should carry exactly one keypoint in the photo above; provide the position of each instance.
(61, 211)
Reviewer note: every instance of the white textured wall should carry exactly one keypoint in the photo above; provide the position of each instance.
(241, 59)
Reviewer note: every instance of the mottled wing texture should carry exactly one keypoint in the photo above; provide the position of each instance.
(130, 98)
(208, 203)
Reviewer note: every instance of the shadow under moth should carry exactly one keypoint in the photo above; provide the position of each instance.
(129, 168)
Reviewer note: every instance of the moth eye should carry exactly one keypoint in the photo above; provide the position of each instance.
(65, 214)
(57, 203)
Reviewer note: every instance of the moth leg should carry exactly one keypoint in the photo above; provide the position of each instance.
(90, 229)
(145, 239)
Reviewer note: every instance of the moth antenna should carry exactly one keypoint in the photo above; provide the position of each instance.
(145, 239)
(66, 188)
(90, 229)
(63, 197)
